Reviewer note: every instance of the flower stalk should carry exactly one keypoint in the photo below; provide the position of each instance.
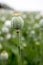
(18, 46)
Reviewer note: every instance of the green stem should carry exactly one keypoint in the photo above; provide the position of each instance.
(41, 41)
(3, 62)
(19, 49)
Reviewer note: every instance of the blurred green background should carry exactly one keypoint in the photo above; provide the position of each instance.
(31, 39)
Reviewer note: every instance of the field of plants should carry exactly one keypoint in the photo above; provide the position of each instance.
(21, 43)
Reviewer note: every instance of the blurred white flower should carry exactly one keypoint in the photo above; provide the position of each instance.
(8, 23)
(8, 36)
(24, 16)
(41, 23)
(37, 16)
(23, 45)
(32, 33)
(5, 30)
(4, 55)
(0, 46)
(36, 25)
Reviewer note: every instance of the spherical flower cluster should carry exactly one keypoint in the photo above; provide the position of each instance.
(8, 36)
(32, 33)
(8, 23)
(5, 29)
(17, 22)
(4, 55)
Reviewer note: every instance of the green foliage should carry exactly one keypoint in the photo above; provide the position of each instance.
(31, 40)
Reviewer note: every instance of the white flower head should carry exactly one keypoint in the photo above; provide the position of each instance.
(32, 33)
(5, 30)
(4, 55)
(8, 36)
(8, 23)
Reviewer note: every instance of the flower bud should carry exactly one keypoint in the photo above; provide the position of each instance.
(17, 22)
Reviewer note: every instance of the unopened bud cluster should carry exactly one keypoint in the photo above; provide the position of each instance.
(17, 22)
